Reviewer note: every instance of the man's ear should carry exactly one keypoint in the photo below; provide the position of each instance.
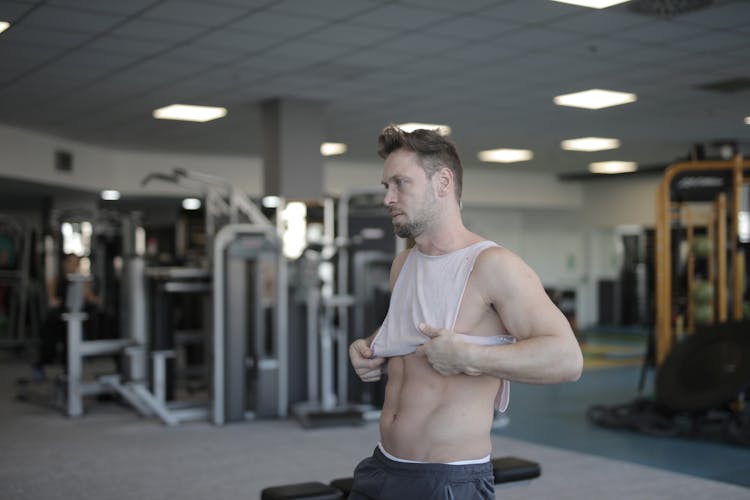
(445, 181)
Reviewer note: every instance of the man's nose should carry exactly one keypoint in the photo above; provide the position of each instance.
(389, 197)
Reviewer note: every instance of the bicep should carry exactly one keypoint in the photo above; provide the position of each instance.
(521, 302)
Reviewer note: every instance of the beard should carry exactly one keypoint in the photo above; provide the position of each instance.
(410, 229)
(422, 219)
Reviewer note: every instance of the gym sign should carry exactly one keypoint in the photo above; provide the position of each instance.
(700, 185)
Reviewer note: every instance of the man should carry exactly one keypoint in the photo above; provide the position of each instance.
(54, 329)
(465, 317)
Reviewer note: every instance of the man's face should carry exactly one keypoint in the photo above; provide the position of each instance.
(409, 195)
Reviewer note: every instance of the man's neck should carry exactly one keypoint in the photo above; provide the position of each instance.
(445, 238)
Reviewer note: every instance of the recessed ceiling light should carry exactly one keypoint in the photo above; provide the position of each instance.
(190, 113)
(191, 203)
(590, 144)
(595, 99)
(612, 167)
(412, 126)
(593, 4)
(4, 25)
(505, 155)
(332, 148)
(110, 195)
(747, 120)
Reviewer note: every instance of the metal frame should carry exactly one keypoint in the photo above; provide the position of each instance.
(223, 238)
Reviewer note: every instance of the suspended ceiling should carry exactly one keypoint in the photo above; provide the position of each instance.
(94, 70)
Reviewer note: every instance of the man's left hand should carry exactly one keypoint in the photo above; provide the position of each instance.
(443, 351)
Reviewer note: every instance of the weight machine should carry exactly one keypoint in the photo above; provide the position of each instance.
(701, 346)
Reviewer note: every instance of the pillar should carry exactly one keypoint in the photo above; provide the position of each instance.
(292, 134)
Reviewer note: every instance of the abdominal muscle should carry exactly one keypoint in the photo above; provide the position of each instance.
(430, 417)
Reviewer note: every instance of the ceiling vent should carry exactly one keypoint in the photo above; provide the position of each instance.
(668, 8)
(729, 86)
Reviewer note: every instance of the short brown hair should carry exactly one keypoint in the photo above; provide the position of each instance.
(433, 150)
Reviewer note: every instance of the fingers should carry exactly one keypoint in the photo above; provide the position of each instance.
(428, 330)
(361, 348)
(370, 370)
(370, 376)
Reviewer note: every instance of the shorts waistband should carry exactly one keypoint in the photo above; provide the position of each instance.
(482, 460)
(456, 471)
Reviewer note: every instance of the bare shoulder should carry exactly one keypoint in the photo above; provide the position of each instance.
(502, 270)
(498, 258)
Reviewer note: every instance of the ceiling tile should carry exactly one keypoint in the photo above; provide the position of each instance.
(10, 11)
(194, 12)
(128, 45)
(123, 8)
(33, 53)
(598, 22)
(416, 43)
(352, 34)
(376, 57)
(193, 54)
(90, 57)
(277, 24)
(326, 9)
(451, 5)
(14, 67)
(538, 38)
(308, 50)
(158, 30)
(170, 68)
(727, 15)
(717, 41)
(531, 11)
(471, 28)
(391, 16)
(265, 63)
(484, 52)
(75, 20)
(659, 31)
(42, 37)
(237, 41)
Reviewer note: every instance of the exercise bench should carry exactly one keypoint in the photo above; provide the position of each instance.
(505, 469)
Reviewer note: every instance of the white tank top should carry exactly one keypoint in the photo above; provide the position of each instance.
(429, 289)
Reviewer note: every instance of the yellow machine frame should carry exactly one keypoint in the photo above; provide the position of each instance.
(668, 211)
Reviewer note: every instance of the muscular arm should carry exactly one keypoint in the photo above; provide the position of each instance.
(547, 350)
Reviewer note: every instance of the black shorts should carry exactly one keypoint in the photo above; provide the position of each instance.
(379, 477)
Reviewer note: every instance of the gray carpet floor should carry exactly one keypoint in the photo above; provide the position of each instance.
(113, 454)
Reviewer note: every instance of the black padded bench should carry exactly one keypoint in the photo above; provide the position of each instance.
(506, 470)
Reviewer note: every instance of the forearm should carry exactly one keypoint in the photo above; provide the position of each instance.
(537, 360)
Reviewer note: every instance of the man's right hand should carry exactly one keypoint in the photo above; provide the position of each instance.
(365, 365)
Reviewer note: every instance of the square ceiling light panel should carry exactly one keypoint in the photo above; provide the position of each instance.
(505, 155)
(593, 4)
(612, 167)
(590, 144)
(332, 148)
(595, 99)
(190, 113)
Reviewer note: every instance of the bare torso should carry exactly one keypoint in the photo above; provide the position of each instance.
(430, 417)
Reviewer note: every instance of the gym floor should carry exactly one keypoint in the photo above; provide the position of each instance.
(112, 453)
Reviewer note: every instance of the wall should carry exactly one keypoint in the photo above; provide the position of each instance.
(566, 231)
(30, 156)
